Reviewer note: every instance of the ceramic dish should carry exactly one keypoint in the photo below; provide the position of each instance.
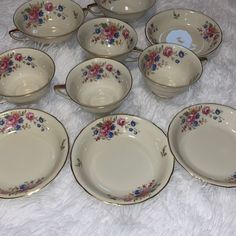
(25, 75)
(122, 159)
(124, 10)
(34, 146)
(169, 69)
(202, 139)
(47, 22)
(107, 37)
(98, 85)
(188, 28)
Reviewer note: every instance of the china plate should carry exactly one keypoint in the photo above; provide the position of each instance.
(202, 138)
(122, 159)
(34, 146)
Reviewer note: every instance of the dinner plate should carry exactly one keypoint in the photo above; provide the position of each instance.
(122, 159)
(34, 146)
(202, 138)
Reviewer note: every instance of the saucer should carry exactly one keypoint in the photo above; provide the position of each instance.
(122, 159)
(202, 138)
(34, 146)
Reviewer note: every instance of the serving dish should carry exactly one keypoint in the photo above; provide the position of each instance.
(122, 159)
(34, 146)
(202, 138)
(188, 28)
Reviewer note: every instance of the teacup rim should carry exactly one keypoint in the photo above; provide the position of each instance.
(185, 9)
(106, 105)
(168, 86)
(44, 86)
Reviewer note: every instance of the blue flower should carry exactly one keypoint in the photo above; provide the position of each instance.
(29, 58)
(137, 192)
(118, 72)
(38, 125)
(25, 17)
(23, 187)
(85, 73)
(157, 58)
(18, 127)
(131, 129)
(40, 21)
(41, 120)
(41, 13)
(99, 76)
(101, 70)
(113, 127)
(234, 175)
(116, 35)
(195, 123)
(9, 69)
(110, 135)
(133, 123)
(205, 26)
(95, 132)
(154, 67)
(177, 61)
(181, 54)
(21, 120)
(10, 62)
(60, 8)
(111, 41)
(217, 111)
(197, 116)
(2, 122)
(97, 31)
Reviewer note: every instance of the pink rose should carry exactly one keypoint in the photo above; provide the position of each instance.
(94, 70)
(110, 31)
(30, 116)
(191, 118)
(125, 33)
(13, 119)
(206, 110)
(18, 57)
(49, 6)
(34, 13)
(4, 65)
(106, 127)
(168, 51)
(152, 55)
(109, 67)
(121, 122)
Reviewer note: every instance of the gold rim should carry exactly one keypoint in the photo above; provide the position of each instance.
(185, 167)
(182, 9)
(29, 193)
(113, 202)
(35, 91)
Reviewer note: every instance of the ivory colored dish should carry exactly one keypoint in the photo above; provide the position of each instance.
(124, 10)
(52, 21)
(169, 69)
(188, 28)
(98, 85)
(25, 75)
(202, 138)
(34, 146)
(107, 37)
(122, 159)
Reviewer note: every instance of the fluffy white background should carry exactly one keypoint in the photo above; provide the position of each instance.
(186, 206)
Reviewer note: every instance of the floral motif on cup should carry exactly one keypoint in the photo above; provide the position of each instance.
(12, 61)
(163, 151)
(176, 15)
(157, 58)
(139, 193)
(210, 33)
(26, 186)
(110, 127)
(39, 13)
(152, 29)
(198, 115)
(98, 71)
(232, 179)
(111, 34)
(21, 120)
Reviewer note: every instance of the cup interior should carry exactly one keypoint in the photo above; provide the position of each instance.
(48, 18)
(98, 82)
(187, 28)
(24, 71)
(107, 37)
(170, 65)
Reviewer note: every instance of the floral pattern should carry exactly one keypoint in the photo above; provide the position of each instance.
(111, 34)
(79, 163)
(21, 120)
(26, 186)
(110, 127)
(139, 193)
(39, 13)
(176, 15)
(197, 116)
(152, 29)
(12, 61)
(156, 58)
(232, 179)
(98, 71)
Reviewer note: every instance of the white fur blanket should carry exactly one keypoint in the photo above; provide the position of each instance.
(186, 206)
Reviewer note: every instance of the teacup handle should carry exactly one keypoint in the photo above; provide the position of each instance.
(2, 100)
(134, 59)
(17, 35)
(60, 89)
(95, 13)
(203, 60)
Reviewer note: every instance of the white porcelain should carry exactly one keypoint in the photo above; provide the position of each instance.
(169, 69)
(122, 159)
(122, 9)
(188, 28)
(202, 138)
(25, 75)
(107, 37)
(98, 85)
(34, 146)
(52, 21)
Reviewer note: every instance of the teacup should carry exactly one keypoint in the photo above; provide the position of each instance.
(124, 10)
(98, 85)
(107, 37)
(187, 28)
(25, 75)
(169, 69)
(47, 22)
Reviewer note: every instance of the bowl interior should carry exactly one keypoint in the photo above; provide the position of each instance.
(48, 18)
(107, 37)
(122, 159)
(187, 28)
(99, 82)
(170, 65)
(24, 70)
